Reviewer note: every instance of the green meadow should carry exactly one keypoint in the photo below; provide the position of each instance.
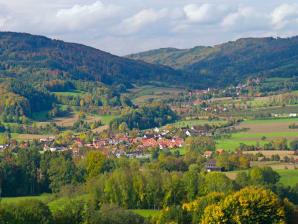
(58, 203)
(193, 122)
(260, 132)
(288, 177)
(146, 212)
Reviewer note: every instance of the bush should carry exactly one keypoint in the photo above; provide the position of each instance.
(26, 212)
(72, 213)
(110, 214)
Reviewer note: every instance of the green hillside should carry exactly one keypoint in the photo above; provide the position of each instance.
(38, 58)
(231, 62)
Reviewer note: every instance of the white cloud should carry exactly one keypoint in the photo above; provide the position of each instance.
(246, 19)
(141, 19)
(206, 13)
(131, 25)
(284, 15)
(83, 16)
(234, 17)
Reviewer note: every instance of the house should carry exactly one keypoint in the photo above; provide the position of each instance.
(178, 142)
(220, 151)
(47, 140)
(156, 130)
(149, 142)
(3, 147)
(54, 149)
(99, 143)
(208, 154)
(211, 166)
(79, 143)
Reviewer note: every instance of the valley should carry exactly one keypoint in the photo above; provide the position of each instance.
(85, 134)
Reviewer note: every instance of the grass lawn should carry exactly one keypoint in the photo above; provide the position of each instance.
(233, 143)
(271, 129)
(53, 203)
(184, 123)
(146, 212)
(44, 198)
(70, 93)
(288, 177)
(142, 94)
(106, 119)
(276, 120)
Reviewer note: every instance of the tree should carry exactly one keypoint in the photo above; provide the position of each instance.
(62, 171)
(263, 176)
(123, 127)
(191, 182)
(217, 182)
(2, 127)
(197, 207)
(242, 179)
(174, 189)
(95, 162)
(280, 144)
(250, 205)
(199, 144)
(294, 145)
(173, 214)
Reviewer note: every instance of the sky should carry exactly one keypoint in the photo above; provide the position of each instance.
(128, 26)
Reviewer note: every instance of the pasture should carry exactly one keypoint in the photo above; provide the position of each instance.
(193, 122)
(146, 212)
(58, 203)
(288, 177)
(70, 93)
(143, 94)
(44, 198)
(260, 132)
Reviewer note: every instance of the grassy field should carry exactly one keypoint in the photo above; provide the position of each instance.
(140, 95)
(70, 93)
(184, 123)
(56, 204)
(260, 132)
(53, 203)
(106, 119)
(288, 177)
(146, 212)
(263, 110)
(44, 198)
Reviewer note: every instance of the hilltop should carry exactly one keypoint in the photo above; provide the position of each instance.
(37, 58)
(231, 62)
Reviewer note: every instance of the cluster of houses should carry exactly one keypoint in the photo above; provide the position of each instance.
(290, 115)
(121, 144)
(3, 147)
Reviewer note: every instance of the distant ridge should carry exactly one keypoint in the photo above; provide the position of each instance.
(231, 62)
(35, 57)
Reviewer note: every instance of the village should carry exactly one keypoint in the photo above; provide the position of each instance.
(138, 146)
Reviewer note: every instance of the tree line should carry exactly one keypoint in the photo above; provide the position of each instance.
(154, 115)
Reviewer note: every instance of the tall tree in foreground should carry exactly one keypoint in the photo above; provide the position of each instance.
(250, 205)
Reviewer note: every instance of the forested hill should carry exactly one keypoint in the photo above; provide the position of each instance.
(231, 62)
(38, 58)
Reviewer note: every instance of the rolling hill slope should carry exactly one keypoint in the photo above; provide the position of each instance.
(231, 62)
(37, 58)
